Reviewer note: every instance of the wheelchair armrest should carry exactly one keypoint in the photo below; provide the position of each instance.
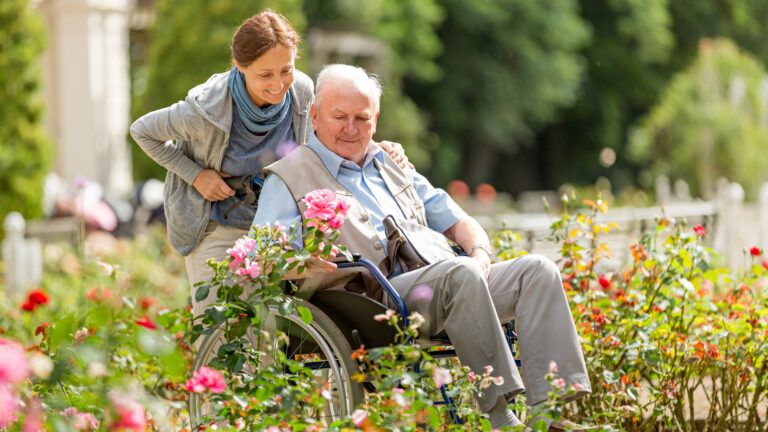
(341, 259)
(382, 280)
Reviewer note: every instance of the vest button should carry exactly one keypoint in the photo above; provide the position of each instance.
(377, 245)
(364, 217)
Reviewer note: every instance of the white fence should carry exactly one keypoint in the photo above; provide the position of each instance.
(732, 226)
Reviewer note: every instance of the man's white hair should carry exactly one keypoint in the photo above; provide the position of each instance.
(353, 75)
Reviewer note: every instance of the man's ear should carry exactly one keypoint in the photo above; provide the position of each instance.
(313, 115)
(375, 122)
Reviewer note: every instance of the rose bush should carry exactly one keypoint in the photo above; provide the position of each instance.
(105, 342)
(673, 340)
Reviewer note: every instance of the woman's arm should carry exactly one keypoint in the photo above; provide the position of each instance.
(157, 133)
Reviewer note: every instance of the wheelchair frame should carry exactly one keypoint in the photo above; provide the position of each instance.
(340, 331)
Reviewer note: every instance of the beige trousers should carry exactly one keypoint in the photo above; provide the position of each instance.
(455, 297)
(217, 239)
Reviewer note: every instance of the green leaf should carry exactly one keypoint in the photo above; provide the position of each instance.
(216, 313)
(305, 314)
(202, 292)
(651, 356)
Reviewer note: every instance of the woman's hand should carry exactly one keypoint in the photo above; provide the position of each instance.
(211, 185)
(397, 153)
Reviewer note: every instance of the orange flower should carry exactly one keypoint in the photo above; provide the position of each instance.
(360, 353)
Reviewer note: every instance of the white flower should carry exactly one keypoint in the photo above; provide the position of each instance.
(441, 377)
(385, 316)
(416, 320)
(41, 365)
(97, 369)
(552, 367)
(359, 417)
(80, 335)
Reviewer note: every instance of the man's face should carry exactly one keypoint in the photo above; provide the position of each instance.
(345, 120)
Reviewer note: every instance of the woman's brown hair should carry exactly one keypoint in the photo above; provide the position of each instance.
(259, 33)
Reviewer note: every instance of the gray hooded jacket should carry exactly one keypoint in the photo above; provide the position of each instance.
(193, 134)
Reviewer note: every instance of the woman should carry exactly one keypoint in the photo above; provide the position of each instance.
(234, 124)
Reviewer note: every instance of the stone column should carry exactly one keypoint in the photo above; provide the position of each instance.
(87, 89)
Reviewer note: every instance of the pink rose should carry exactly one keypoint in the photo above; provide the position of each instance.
(321, 204)
(81, 421)
(243, 246)
(13, 367)
(250, 268)
(204, 379)
(130, 414)
(9, 405)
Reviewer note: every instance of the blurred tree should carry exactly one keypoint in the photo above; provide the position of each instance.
(711, 121)
(638, 46)
(189, 41)
(24, 149)
(508, 67)
(410, 45)
(626, 70)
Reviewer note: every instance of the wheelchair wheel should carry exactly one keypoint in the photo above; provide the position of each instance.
(319, 345)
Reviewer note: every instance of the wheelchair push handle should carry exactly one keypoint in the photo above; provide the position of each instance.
(252, 182)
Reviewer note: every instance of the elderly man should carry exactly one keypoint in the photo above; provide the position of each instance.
(469, 297)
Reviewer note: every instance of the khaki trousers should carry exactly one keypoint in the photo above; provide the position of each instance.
(454, 296)
(217, 239)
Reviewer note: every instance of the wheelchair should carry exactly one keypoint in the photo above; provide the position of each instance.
(341, 320)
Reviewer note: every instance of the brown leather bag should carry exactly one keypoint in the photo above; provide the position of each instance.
(414, 245)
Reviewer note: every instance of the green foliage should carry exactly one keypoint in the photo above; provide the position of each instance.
(24, 149)
(507, 68)
(86, 338)
(667, 332)
(637, 49)
(407, 30)
(711, 122)
(188, 42)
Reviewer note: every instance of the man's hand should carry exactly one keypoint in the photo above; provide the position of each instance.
(314, 266)
(397, 153)
(484, 259)
(211, 185)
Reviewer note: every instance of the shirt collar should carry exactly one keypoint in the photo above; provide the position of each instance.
(334, 162)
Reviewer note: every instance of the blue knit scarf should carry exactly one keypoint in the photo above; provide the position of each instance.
(257, 120)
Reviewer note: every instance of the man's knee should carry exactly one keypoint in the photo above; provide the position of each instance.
(540, 269)
(466, 274)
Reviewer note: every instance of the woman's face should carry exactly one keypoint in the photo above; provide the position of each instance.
(270, 76)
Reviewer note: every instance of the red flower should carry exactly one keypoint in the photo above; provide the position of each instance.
(146, 302)
(700, 230)
(99, 294)
(765, 264)
(755, 251)
(37, 297)
(605, 281)
(146, 322)
(42, 328)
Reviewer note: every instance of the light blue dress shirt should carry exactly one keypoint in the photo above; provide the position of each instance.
(367, 186)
